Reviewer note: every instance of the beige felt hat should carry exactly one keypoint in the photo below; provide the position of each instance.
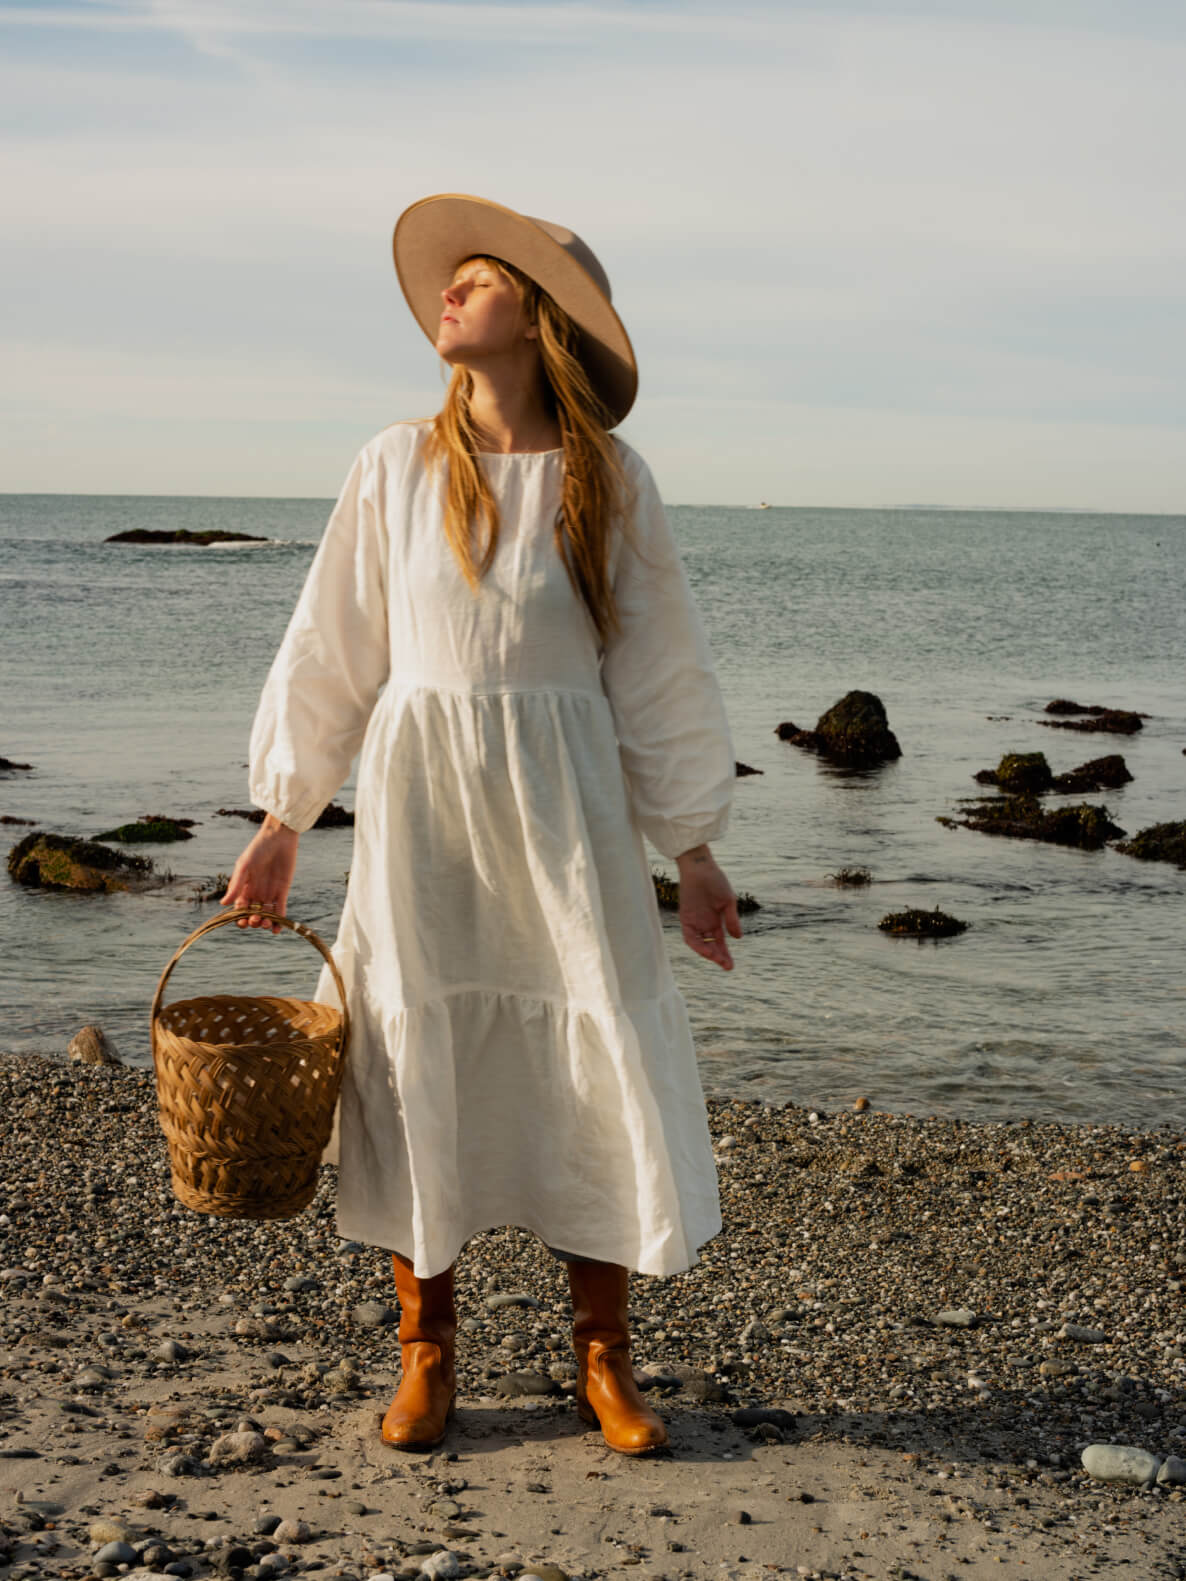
(436, 234)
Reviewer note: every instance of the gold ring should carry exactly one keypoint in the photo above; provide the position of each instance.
(707, 938)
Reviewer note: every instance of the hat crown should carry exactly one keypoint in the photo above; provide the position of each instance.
(580, 252)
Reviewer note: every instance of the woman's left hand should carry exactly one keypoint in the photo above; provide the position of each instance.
(707, 906)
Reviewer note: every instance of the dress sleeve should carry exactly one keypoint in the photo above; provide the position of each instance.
(325, 679)
(657, 672)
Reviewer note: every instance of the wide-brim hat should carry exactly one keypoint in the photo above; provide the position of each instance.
(438, 233)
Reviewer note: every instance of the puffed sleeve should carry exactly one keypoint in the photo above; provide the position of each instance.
(326, 677)
(657, 672)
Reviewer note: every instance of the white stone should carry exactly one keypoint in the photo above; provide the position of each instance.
(441, 1566)
(1121, 1463)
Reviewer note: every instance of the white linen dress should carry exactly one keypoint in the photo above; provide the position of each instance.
(520, 1053)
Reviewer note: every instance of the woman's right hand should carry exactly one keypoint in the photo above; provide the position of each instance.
(263, 874)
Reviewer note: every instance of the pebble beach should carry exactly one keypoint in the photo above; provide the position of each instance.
(889, 1364)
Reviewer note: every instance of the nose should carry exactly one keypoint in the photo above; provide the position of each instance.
(451, 296)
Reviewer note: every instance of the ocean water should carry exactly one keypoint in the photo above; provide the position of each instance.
(130, 677)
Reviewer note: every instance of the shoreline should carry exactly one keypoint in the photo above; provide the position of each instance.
(134, 1333)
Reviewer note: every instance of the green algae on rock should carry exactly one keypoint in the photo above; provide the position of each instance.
(915, 924)
(1018, 772)
(150, 829)
(60, 861)
(854, 732)
(1023, 818)
(1160, 842)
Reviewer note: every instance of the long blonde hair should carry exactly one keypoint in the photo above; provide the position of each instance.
(594, 495)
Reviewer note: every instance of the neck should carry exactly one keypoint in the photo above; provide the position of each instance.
(510, 415)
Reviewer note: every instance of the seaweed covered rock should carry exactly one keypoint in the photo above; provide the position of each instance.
(1019, 772)
(913, 924)
(59, 861)
(182, 535)
(1024, 818)
(854, 732)
(742, 769)
(1064, 705)
(1115, 721)
(1160, 842)
(334, 817)
(150, 829)
(1107, 773)
(6, 764)
(851, 877)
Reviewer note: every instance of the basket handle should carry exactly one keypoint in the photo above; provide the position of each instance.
(272, 916)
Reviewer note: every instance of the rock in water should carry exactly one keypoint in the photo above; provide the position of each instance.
(183, 535)
(1023, 818)
(59, 861)
(1107, 773)
(92, 1046)
(1160, 842)
(854, 732)
(1121, 1463)
(1019, 771)
(915, 924)
(150, 830)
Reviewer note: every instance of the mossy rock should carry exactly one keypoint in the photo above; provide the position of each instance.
(182, 535)
(667, 894)
(854, 732)
(1160, 842)
(1018, 772)
(913, 924)
(150, 830)
(59, 861)
(1023, 818)
(1107, 773)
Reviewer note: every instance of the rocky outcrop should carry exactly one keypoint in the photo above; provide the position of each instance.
(742, 769)
(150, 829)
(7, 763)
(1160, 842)
(1064, 705)
(92, 1046)
(854, 732)
(1115, 721)
(1108, 773)
(334, 817)
(1019, 772)
(913, 924)
(59, 861)
(1024, 818)
(1022, 773)
(182, 535)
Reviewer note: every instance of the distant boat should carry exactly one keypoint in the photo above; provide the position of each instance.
(762, 505)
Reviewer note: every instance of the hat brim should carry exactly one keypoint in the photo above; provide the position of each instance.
(438, 233)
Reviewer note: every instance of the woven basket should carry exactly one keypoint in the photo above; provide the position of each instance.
(247, 1089)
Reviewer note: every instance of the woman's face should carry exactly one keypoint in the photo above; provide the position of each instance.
(482, 315)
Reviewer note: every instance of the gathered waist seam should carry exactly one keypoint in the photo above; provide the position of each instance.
(415, 683)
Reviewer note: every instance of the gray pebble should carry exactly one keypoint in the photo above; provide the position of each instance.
(510, 1298)
(296, 1283)
(1173, 1470)
(372, 1314)
(172, 1350)
(445, 1509)
(180, 1466)
(956, 1317)
(116, 1554)
(266, 1524)
(1085, 1336)
(355, 1507)
(1121, 1463)
(740, 1517)
(238, 1449)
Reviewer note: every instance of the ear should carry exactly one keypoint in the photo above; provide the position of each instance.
(531, 332)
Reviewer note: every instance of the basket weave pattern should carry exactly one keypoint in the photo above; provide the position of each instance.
(247, 1088)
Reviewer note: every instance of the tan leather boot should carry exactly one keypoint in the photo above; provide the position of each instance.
(607, 1395)
(423, 1402)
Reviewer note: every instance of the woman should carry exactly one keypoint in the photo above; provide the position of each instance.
(505, 575)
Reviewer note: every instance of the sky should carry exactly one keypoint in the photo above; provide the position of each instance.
(869, 253)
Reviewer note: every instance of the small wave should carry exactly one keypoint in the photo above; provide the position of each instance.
(265, 543)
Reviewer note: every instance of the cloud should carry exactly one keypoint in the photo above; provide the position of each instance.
(936, 210)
